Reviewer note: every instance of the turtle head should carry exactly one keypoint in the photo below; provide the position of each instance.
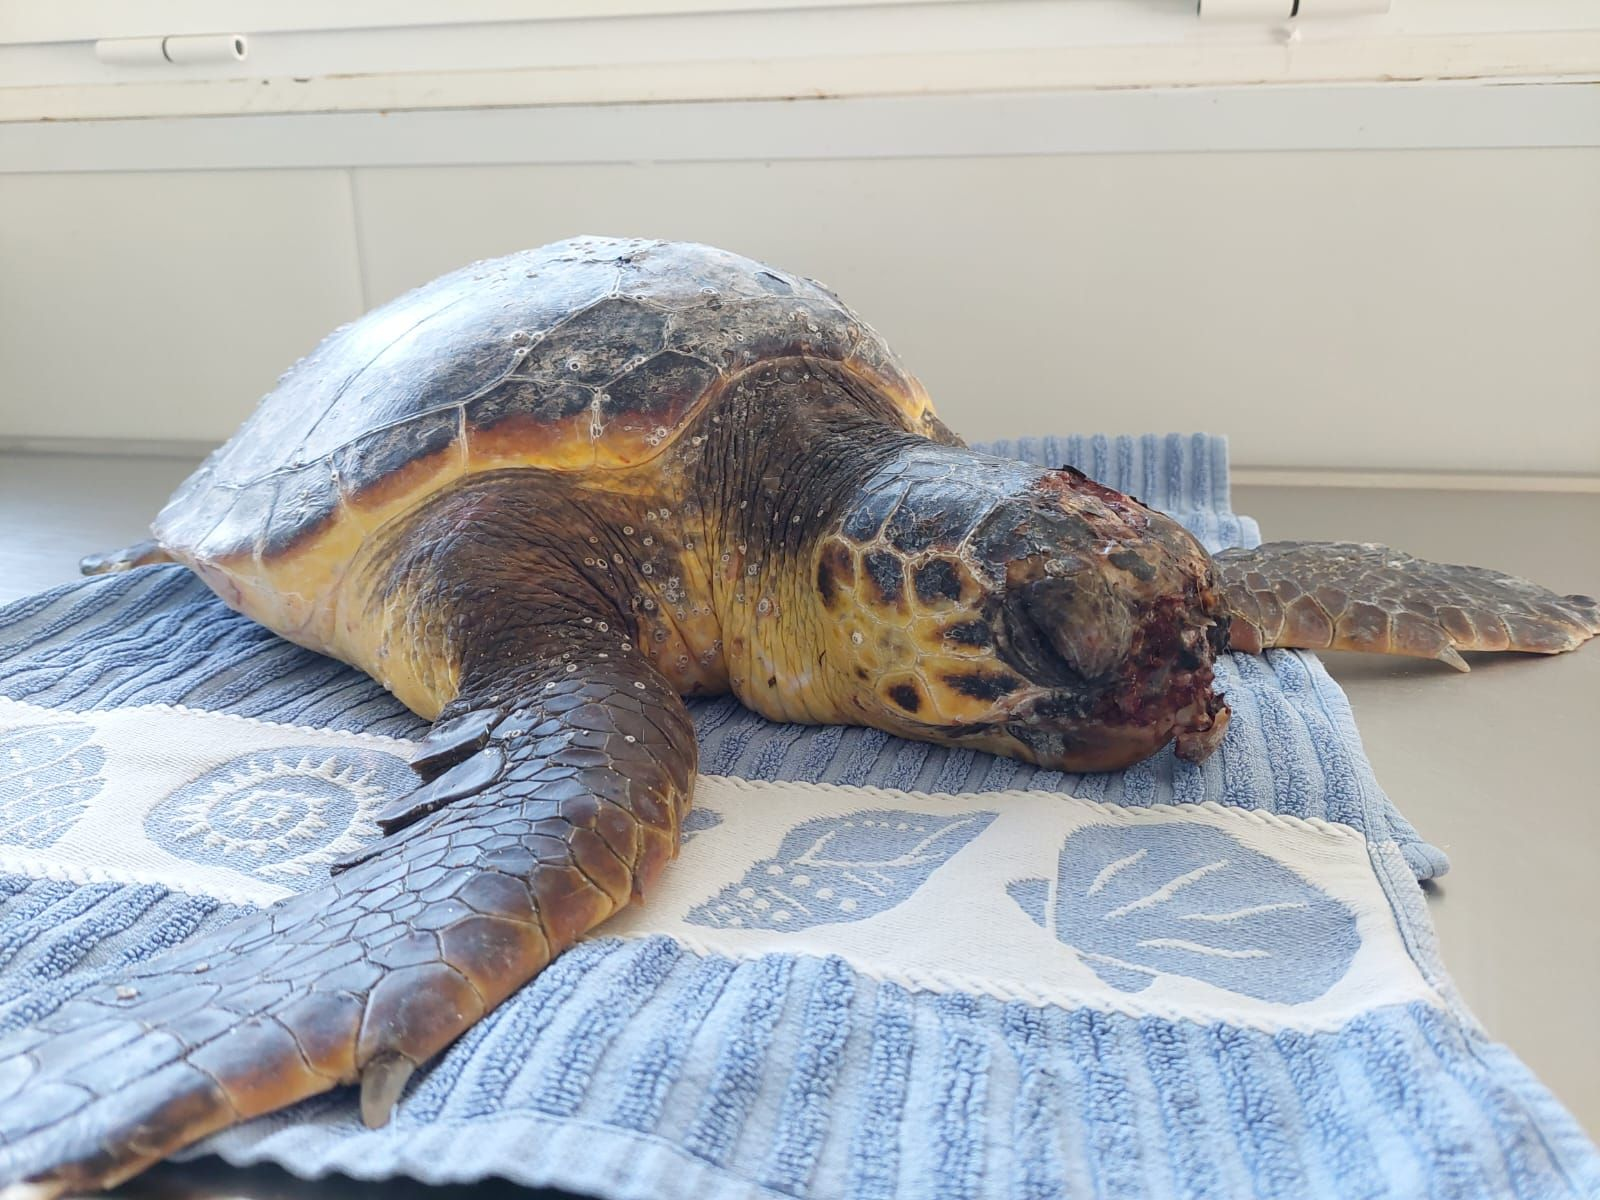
(1030, 613)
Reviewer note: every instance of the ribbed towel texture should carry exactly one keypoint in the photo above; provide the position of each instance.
(939, 974)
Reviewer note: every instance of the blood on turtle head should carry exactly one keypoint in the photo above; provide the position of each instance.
(986, 603)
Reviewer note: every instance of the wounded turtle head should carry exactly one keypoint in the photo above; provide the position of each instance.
(1030, 613)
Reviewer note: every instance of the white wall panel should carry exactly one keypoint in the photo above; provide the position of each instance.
(1419, 310)
(1414, 310)
(162, 306)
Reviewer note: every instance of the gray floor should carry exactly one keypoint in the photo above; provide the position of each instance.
(1494, 766)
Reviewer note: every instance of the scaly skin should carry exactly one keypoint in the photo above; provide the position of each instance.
(859, 574)
(706, 555)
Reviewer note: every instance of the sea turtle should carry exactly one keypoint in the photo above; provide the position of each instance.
(544, 498)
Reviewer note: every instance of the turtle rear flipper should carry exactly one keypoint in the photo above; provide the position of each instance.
(140, 554)
(559, 815)
(1360, 596)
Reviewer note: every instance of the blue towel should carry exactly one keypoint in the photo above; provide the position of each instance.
(882, 969)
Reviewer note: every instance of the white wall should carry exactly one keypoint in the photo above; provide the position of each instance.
(1399, 309)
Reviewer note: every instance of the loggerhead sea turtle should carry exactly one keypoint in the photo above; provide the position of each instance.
(544, 498)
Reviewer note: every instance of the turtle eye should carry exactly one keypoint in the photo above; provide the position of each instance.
(1065, 632)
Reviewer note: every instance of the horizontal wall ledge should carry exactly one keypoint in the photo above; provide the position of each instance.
(1242, 475)
(1349, 117)
(1447, 481)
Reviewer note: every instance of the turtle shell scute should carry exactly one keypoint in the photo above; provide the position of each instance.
(595, 344)
(662, 386)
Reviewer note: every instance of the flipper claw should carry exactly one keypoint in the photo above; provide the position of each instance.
(466, 778)
(382, 1081)
(451, 741)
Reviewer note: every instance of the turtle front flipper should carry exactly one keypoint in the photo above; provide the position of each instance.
(1360, 596)
(563, 803)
